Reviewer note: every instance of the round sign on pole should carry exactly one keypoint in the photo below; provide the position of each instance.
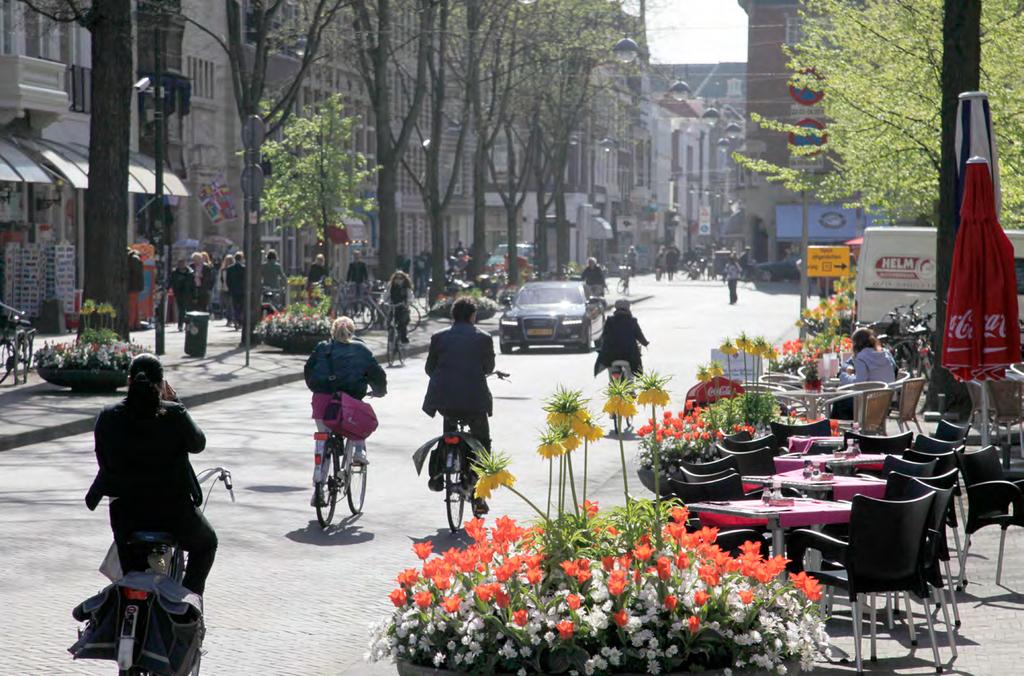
(253, 131)
(806, 95)
(801, 141)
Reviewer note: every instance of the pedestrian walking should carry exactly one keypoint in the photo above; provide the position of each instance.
(358, 275)
(273, 278)
(733, 272)
(136, 283)
(659, 264)
(181, 285)
(421, 273)
(203, 279)
(235, 278)
(672, 254)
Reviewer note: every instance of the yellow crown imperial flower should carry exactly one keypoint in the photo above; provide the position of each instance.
(743, 342)
(620, 406)
(728, 348)
(571, 443)
(654, 396)
(652, 389)
(703, 374)
(551, 450)
(580, 424)
(492, 470)
(593, 433)
(564, 406)
(715, 369)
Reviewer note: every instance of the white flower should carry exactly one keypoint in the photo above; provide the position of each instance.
(438, 659)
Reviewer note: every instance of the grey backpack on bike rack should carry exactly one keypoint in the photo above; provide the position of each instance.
(436, 463)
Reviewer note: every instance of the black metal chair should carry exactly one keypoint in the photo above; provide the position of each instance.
(947, 431)
(904, 487)
(709, 468)
(885, 553)
(728, 487)
(691, 478)
(946, 482)
(783, 431)
(759, 462)
(894, 463)
(992, 500)
(927, 444)
(731, 540)
(870, 443)
(767, 441)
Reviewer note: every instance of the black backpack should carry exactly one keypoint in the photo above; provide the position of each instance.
(319, 370)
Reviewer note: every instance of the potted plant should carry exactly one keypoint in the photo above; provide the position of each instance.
(297, 330)
(97, 361)
(485, 307)
(812, 380)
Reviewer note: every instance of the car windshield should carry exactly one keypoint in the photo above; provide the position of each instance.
(502, 250)
(550, 295)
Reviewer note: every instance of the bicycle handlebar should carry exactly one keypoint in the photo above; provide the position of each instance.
(501, 375)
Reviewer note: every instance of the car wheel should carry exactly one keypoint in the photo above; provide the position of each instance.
(524, 348)
(505, 348)
(765, 275)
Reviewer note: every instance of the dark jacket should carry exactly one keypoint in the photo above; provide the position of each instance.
(235, 279)
(458, 363)
(146, 459)
(136, 280)
(357, 273)
(316, 274)
(593, 276)
(621, 340)
(354, 369)
(181, 283)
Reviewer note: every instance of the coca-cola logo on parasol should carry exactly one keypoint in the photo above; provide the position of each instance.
(905, 267)
(961, 326)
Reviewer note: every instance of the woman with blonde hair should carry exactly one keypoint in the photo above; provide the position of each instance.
(343, 364)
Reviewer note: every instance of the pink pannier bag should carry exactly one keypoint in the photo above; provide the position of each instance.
(345, 415)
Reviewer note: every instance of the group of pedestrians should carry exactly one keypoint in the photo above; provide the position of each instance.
(667, 261)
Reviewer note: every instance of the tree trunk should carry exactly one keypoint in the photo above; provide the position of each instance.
(541, 236)
(961, 69)
(387, 207)
(562, 244)
(512, 237)
(479, 169)
(106, 200)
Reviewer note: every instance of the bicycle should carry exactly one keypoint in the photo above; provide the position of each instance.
(334, 473)
(624, 274)
(371, 312)
(15, 344)
(396, 349)
(138, 601)
(452, 460)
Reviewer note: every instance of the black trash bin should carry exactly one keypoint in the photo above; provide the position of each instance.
(198, 325)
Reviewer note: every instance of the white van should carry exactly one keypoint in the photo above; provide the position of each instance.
(897, 266)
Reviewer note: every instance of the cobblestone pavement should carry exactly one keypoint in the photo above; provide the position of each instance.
(288, 598)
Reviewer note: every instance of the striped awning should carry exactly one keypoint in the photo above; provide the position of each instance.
(18, 167)
(71, 160)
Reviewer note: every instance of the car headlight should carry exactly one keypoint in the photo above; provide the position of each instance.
(509, 322)
(572, 322)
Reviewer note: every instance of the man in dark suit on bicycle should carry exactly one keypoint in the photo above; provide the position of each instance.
(458, 363)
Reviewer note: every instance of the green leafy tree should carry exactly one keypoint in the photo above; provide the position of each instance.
(317, 178)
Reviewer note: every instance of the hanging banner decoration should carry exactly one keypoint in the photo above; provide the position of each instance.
(216, 199)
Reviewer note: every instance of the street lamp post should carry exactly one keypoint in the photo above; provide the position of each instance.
(161, 228)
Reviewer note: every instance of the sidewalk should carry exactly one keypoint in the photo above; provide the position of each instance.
(37, 412)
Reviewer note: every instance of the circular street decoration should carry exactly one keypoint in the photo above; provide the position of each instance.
(805, 141)
(806, 96)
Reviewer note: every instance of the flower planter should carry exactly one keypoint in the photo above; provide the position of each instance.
(410, 669)
(812, 386)
(296, 343)
(83, 380)
(647, 479)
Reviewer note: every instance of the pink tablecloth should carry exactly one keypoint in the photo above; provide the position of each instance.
(845, 487)
(785, 464)
(803, 444)
(802, 514)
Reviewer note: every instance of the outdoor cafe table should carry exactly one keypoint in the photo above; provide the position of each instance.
(804, 513)
(786, 463)
(811, 400)
(840, 487)
(800, 444)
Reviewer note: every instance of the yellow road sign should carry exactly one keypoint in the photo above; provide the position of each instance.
(828, 261)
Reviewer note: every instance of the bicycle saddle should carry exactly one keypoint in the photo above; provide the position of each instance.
(147, 537)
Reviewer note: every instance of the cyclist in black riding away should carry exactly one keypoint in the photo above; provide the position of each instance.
(593, 278)
(459, 360)
(621, 340)
(142, 449)
(400, 294)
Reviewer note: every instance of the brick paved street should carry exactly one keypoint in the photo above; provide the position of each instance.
(287, 598)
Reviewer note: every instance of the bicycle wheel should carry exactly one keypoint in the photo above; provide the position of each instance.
(8, 361)
(327, 493)
(455, 500)
(362, 314)
(24, 355)
(356, 480)
(392, 345)
(415, 317)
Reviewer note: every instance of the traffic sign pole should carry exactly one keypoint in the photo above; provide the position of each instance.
(803, 263)
(253, 132)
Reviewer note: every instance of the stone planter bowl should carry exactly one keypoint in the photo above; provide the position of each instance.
(85, 380)
(302, 343)
(408, 669)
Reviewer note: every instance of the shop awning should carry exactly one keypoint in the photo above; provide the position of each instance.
(356, 229)
(600, 228)
(17, 167)
(71, 160)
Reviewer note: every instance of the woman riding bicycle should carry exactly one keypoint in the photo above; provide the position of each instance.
(343, 364)
(400, 294)
(142, 449)
(621, 340)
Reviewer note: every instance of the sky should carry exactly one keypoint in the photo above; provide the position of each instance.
(697, 31)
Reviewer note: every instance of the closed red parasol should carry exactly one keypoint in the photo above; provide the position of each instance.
(981, 338)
